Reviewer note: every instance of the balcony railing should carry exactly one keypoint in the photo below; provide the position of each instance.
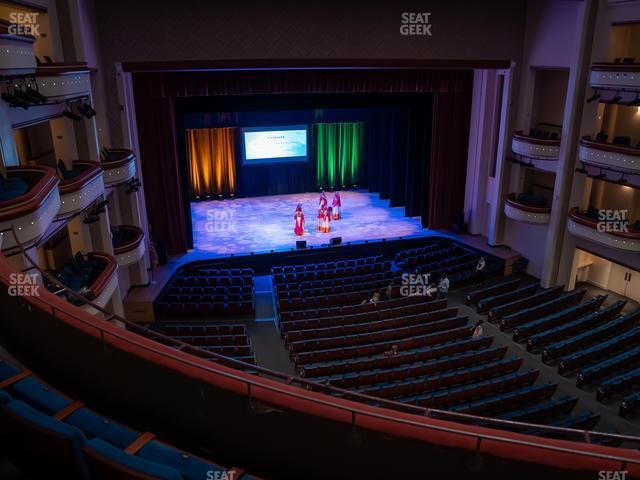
(31, 212)
(79, 192)
(128, 245)
(119, 166)
(618, 157)
(17, 56)
(622, 76)
(524, 212)
(540, 148)
(606, 233)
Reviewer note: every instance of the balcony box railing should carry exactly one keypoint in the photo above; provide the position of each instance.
(581, 225)
(79, 192)
(57, 80)
(525, 212)
(611, 155)
(128, 244)
(17, 56)
(544, 149)
(119, 166)
(30, 202)
(623, 76)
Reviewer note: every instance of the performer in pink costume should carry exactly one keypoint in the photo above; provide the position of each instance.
(298, 229)
(336, 203)
(323, 201)
(326, 220)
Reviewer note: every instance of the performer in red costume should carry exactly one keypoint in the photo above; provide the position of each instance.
(323, 201)
(336, 203)
(321, 218)
(298, 228)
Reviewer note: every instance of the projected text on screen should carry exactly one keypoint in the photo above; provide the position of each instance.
(275, 144)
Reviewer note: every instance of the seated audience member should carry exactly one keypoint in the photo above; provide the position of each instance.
(392, 351)
(477, 329)
(389, 291)
(374, 299)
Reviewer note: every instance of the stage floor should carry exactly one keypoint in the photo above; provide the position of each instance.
(262, 224)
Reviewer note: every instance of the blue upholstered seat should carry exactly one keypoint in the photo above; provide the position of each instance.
(117, 457)
(5, 398)
(39, 396)
(95, 426)
(191, 468)
(7, 370)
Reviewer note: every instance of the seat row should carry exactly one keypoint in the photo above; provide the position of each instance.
(414, 252)
(352, 282)
(413, 261)
(244, 290)
(325, 301)
(503, 298)
(65, 437)
(344, 310)
(203, 309)
(550, 306)
(328, 266)
(211, 281)
(496, 313)
(339, 323)
(337, 273)
(484, 293)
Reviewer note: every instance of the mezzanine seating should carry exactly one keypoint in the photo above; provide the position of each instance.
(76, 442)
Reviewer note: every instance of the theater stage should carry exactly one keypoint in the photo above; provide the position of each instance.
(262, 224)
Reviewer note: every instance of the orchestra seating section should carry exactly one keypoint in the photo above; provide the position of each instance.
(230, 340)
(207, 292)
(415, 349)
(597, 345)
(74, 441)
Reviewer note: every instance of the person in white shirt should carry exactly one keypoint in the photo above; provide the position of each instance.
(477, 330)
(443, 286)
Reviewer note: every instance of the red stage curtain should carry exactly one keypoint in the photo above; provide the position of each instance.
(449, 151)
(212, 160)
(162, 188)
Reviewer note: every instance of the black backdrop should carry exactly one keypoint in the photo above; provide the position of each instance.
(421, 164)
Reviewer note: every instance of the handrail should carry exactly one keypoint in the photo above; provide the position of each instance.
(587, 141)
(512, 200)
(521, 136)
(131, 244)
(254, 380)
(90, 172)
(34, 197)
(576, 216)
(123, 156)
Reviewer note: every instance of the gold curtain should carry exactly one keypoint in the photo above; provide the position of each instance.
(212, 160)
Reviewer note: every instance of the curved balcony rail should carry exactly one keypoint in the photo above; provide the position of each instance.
(610, 234)
(60, 80)
(582, 449)
(119, 165)
(617, 157)
(29, 201)
(81, 188)
(538, 148)
(17, 56)
(91, 277)
(517, 208)
(128, 244)
(618, 76)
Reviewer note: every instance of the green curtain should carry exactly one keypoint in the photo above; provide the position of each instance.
(339, 148)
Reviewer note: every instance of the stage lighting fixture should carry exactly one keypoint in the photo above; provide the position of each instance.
(594, 97)
(35, 93)
(615, 99)
(86, 109)
(15, 101)
(26, 96)
(69, 114)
